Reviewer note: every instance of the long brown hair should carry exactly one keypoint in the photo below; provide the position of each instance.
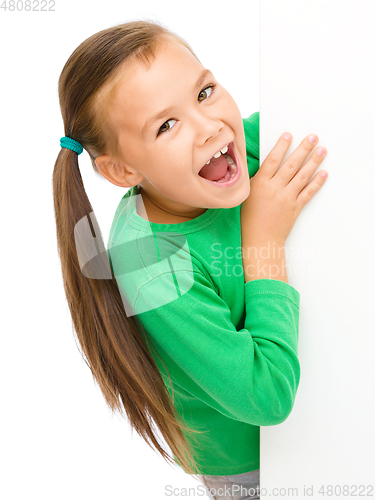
(112, 343)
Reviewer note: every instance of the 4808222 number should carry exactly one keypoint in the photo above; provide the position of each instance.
(28, 5)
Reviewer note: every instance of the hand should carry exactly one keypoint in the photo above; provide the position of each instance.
(277, 196)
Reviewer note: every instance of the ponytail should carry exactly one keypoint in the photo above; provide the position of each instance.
(113, 345)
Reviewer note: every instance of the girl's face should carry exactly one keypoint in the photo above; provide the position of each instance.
(171, 118)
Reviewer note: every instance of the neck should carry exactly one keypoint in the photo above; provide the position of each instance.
(153, 211)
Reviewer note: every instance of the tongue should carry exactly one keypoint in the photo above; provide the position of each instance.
(215, 170)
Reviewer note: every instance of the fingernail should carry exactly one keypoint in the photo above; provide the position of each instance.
(321, 151)
(287, 137)
(313, 138)
(323, 174)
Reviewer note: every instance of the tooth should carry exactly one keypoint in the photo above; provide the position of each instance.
(208, 162)
(217, 154)
(224, 150)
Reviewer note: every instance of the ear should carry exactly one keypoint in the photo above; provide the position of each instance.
(119, 174)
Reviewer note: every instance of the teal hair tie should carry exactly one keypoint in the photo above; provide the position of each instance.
(69, 143)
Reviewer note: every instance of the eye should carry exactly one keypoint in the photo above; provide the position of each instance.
(211, 89)
(161, 129)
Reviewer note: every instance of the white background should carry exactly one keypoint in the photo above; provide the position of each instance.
(317, 75)
(58, 439)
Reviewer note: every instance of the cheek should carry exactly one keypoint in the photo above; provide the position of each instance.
(229, 99)
(137, 155)
(171, 168)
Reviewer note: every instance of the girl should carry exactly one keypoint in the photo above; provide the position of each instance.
(193, 328)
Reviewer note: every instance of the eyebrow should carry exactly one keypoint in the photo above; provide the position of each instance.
(168, 110)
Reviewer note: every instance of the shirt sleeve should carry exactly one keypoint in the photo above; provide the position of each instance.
(250, 375)
(251, 129)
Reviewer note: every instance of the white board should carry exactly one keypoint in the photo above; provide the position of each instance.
(318, 76)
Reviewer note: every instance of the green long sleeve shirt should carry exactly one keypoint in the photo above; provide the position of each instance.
(230, 346)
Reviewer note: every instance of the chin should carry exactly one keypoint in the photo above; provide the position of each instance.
(241, 196)
(236, 199)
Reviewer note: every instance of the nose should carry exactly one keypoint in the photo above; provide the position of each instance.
(206, 127)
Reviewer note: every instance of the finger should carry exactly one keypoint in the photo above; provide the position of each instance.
(276, 155)
(312, 188)
(291, 166)
(302, 177)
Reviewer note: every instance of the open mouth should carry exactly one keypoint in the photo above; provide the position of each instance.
(222, 167)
